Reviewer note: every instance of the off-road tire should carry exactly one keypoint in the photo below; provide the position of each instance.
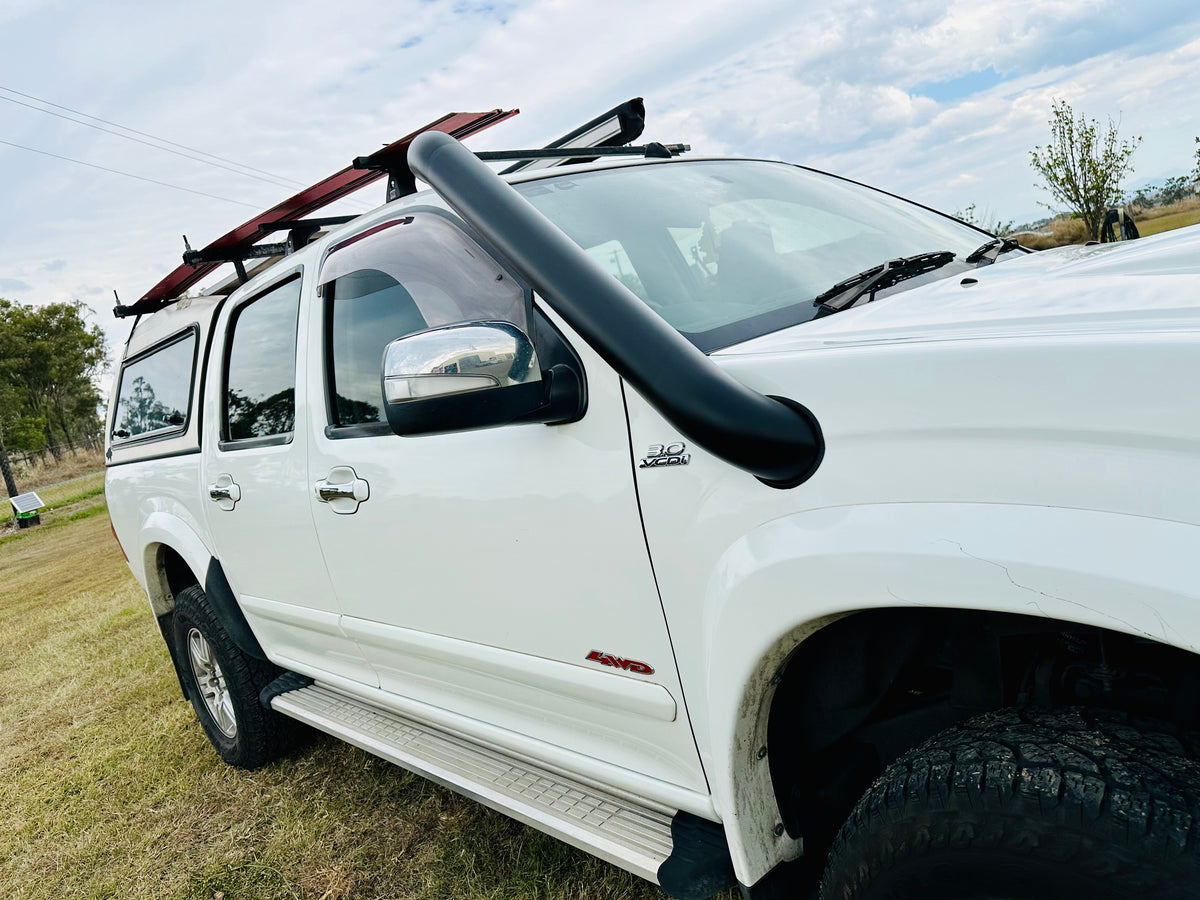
(1028, 804)
(262, 735)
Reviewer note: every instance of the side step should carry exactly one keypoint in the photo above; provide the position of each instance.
(635, 836)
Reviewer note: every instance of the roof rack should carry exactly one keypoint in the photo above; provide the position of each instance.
(604, 135)
(601, 136)
(621, 125)
(300, 232)
(402, 182)
(653, 150)
(236, 245)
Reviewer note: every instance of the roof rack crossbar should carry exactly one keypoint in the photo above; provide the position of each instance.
(314, 223)
(257, 251)
(652, 150)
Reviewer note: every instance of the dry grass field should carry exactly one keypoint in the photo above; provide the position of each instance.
(1166, 218)
(72, 465)
(61, 497)
(1060, 232)
(109, 789)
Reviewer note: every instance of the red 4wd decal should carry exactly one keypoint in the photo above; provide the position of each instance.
(629, 665)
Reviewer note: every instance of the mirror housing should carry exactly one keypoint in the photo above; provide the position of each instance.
(473, 375)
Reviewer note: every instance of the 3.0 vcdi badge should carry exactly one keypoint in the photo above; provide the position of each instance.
(666, 455)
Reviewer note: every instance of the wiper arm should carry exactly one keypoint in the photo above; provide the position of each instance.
(988, 253)
(849, 292)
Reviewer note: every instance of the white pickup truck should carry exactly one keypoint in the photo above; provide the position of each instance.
(605, 495)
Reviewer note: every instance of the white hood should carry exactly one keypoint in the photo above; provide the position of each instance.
(1152, 284)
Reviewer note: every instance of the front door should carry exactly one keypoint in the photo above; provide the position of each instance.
(499, 574)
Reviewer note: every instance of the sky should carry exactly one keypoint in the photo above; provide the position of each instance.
(939, 102)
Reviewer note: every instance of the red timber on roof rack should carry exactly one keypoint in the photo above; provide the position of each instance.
(237, 244)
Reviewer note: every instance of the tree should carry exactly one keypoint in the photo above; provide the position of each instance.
(1196, 171)
(49, 357)
(10, 483)
(143, 412)
(1175, 189)
(1082, 167)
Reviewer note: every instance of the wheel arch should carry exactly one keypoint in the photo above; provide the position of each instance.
(173, 557)
(790, 580)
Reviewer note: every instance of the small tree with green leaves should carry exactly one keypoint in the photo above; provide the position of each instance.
(1081, 166)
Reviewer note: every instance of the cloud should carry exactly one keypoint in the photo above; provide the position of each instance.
(54, 265)
(14, 286)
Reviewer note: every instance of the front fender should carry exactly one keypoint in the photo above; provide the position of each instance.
(792, 576)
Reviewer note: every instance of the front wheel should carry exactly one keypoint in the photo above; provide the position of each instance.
(1016, 805)
(223, 684)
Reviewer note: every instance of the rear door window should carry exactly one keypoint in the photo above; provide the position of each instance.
(260, 367)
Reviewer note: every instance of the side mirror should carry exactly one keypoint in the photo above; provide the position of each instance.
(473, 375)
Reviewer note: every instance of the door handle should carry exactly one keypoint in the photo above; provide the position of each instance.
(327, 491)
(225, 492)
(343, 490)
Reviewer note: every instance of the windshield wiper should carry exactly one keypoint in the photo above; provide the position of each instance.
(988, 253)
(849, 292)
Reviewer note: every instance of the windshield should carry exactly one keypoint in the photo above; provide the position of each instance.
(728, 250)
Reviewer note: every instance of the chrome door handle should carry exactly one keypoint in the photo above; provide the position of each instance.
(327, 491)
(343, 490)
(225, 492)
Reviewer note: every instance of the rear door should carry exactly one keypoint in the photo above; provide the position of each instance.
(500, 574)
(256, 484)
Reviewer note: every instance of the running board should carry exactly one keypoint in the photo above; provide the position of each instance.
(630, 834)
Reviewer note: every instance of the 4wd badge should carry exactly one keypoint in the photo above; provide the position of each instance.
(629, 665)
(666, 455)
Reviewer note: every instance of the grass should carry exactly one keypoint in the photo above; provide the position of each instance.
(1056, 233)
(108, 787)
(32, 475)
(65, 486)
(69, 494)
(1177, 215)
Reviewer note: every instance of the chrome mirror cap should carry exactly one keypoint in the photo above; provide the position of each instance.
(458, 359)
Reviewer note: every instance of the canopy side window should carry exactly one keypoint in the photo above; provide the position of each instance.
(155, 396)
